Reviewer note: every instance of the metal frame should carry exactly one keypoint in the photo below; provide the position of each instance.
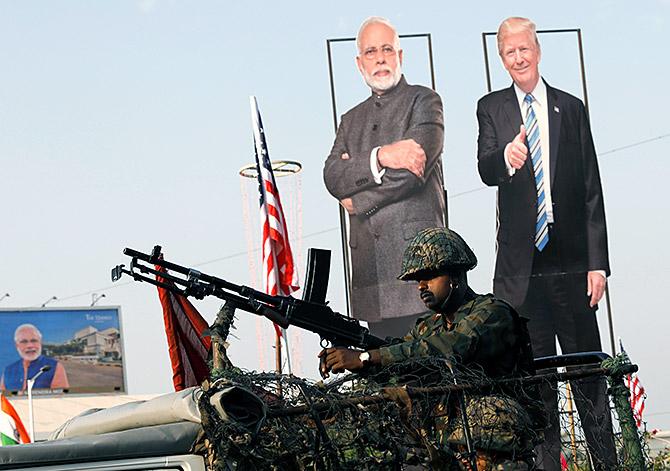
(342, 213)
(582, 71)
(115, 307)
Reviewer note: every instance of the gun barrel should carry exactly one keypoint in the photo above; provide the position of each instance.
(155, 260)
(312, 313)
(190, 272)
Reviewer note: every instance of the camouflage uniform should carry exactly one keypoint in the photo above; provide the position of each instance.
(486, 334)
(485, 331)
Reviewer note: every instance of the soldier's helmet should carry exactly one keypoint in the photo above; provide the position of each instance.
(435, 250)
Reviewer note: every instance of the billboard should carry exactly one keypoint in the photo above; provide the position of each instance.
(78, 350)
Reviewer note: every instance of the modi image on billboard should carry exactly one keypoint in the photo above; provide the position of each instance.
(61, 350)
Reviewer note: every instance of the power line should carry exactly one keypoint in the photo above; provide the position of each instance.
(239, 254)
(226, 257)
(331, 229)
(657, 138)
(611, 151)
(89, 292)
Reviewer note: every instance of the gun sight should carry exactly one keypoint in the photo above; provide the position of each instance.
(117, 272)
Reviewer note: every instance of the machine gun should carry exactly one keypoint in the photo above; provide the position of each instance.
(310, 313)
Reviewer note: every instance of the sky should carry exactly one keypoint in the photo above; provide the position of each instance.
(124, 124)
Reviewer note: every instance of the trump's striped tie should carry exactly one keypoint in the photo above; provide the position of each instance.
(533, 137)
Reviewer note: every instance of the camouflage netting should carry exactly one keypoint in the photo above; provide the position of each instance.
(408, 415)
(370, 423)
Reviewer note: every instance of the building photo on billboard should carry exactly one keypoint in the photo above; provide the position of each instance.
(61, 350)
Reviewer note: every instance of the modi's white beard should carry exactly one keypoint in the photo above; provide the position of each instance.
(383, 84)
(31, 356)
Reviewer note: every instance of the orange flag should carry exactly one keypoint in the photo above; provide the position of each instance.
(12, 431)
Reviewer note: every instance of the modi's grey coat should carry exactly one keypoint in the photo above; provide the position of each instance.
(390, 214)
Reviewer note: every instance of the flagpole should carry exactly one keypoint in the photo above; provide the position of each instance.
(279, 275)
(289, 368)
(278, 353)
(609, 319)
(31, 422)
(31, 383)
(571, 421)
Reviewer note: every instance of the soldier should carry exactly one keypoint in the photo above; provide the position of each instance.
(466, 328)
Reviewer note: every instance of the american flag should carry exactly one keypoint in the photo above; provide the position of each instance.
(280, 276)
(637, 393)
(637, 397)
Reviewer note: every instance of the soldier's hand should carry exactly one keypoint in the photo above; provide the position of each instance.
(595, 286)
(406, 154)
(518, 152)
(339, 359)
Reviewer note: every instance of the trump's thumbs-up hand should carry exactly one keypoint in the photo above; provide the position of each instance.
(517, 152)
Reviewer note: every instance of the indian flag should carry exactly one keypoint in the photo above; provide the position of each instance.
(12, 431)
